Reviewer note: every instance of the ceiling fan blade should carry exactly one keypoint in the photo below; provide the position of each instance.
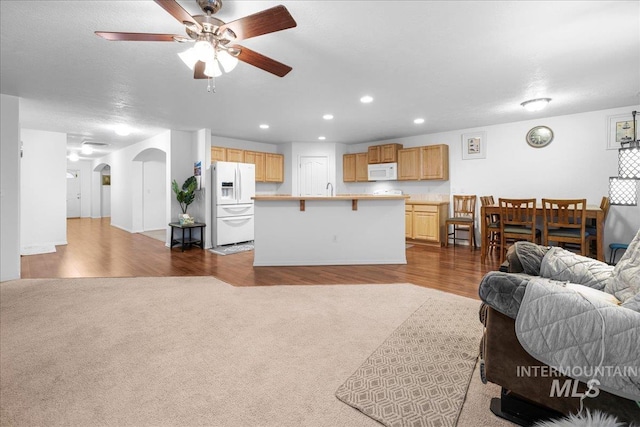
(258, 60)
(198, 70)
(268, 21)
(139, 37)
(179, 13)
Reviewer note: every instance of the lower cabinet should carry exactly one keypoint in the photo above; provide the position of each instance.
(425, 222)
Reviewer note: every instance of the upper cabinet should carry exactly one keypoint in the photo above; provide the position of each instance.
(355, 167)
(424, 163)
(409, 164)
(269, 166)
(274, 167)
(435, 162)
(362, 167)
(387, 153)
(218, 154)
(257, 158)
(235, 155)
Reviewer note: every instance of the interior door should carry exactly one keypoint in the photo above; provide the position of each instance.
(314, 176)
(73, 194)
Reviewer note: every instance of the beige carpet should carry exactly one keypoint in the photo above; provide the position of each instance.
(193, 351)
(420, 374)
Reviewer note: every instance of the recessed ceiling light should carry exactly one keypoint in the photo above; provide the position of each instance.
(264, 126)
(74, 157)
(535, 104)
(418, 121)
(122, 130)
(328, 116)
(366, 99)
(322, 138)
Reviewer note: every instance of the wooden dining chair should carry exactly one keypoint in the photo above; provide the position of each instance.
(517, 222)
(564, 221)
(492, 223)
(464, 218)
(591, 229)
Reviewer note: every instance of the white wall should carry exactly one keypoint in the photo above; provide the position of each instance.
(105, 194)
(9, 190)
(576, 164)
(154, 179)
(43, 188)
(121, 163)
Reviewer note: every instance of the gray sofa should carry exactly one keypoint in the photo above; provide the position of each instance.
(581, 317)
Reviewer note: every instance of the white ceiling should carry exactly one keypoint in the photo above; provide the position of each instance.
(457, 64)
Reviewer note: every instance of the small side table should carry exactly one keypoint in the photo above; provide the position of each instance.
(185, 241)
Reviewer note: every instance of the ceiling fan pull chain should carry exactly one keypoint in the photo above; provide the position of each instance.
(211, 86)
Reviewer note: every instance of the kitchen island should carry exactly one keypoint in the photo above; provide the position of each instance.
(338, 230)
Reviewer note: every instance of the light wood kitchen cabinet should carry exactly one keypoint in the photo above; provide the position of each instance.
(387, 153)
(355, 167)
(408, 221)
(349, 168)
(218, 154)
(425, 222)
(409, 164)
(256, 158)
(434, 162)
(273, 167)
(235, 155)
(362, 167)
(374, 154)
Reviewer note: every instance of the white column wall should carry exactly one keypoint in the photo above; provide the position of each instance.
(9, 188)
(43, 188)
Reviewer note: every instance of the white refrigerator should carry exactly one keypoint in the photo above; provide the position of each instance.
(234, 185)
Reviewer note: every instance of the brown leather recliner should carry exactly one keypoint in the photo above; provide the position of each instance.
(526, 388)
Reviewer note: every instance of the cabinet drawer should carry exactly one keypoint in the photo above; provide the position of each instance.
(425, 208)
(408, 208)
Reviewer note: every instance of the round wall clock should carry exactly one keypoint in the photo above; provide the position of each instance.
(539, 136)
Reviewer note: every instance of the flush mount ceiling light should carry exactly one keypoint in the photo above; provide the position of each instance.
(366, 99)
(74, 157)
(418, 121)
(264, 126)
(328, 117)
(86, 149)
(536, 104)
(322, 138)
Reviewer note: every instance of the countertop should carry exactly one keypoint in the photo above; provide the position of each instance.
(338, 197)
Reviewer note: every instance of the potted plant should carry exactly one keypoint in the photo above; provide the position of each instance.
(185, 197)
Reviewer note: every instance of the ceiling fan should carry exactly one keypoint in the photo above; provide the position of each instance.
(214, 49)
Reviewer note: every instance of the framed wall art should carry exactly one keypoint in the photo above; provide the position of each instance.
(474, 146)
(620, 130)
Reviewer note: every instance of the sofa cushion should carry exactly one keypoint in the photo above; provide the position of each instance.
(625, 284)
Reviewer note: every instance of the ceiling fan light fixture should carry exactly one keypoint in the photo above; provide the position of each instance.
(212, 69)
(189, 58)
(227, 61)
(536, 104)
(203, 49)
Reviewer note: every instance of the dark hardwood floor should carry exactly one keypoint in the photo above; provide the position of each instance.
(96, 249)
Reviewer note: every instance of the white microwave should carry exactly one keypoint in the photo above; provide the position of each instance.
(383, 172)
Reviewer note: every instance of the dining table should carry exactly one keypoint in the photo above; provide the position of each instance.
(592, 212)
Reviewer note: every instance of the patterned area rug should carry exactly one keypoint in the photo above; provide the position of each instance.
(232, 249)
(419, 376)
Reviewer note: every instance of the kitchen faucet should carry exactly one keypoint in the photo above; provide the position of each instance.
(327, 187)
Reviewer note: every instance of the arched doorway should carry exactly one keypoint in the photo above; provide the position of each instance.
(101, 188)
